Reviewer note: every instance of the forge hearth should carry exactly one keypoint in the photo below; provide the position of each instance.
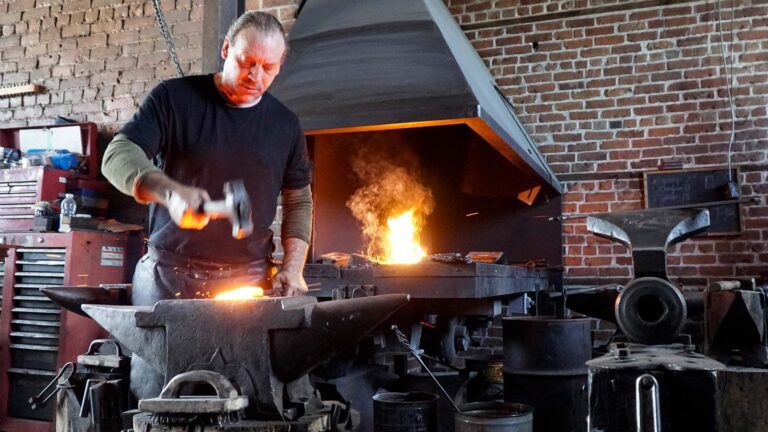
(473, 186)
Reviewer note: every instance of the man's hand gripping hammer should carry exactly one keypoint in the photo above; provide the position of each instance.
(236, 206)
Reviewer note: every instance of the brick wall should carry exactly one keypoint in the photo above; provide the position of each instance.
(96, 58)
(607, 88)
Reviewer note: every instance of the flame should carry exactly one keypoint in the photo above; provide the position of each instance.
(402, 240)
(391, 203)
(242, 293)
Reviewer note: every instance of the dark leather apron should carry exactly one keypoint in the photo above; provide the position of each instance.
(162, 275)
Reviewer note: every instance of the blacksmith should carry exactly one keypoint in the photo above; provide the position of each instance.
(190, 136)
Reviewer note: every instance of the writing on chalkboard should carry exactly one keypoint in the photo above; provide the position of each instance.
(683, 187)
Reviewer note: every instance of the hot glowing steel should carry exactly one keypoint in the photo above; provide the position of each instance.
(242, 293)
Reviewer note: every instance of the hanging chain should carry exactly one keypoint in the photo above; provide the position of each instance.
(160, 18)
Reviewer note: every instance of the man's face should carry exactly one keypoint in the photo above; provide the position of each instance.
(251, 63)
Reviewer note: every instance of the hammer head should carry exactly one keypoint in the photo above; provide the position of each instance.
(239, 204)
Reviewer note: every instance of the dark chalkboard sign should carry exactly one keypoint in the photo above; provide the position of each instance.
(681, 187)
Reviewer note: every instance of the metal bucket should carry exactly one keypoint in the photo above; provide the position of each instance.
(405, 412)
(494, 417)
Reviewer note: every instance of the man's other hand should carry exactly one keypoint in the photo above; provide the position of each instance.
(185, 205)
(289, 283)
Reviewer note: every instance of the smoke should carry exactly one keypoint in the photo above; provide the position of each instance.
(390, 186)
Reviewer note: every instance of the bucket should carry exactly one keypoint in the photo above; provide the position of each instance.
(405, 412)
(494, 417)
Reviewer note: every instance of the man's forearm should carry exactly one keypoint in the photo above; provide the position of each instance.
(294, 255)
(297, 213)
(296, 228)
(125, 164)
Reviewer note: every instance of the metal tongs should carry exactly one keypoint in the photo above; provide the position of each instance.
(403, 340)
(61, 381)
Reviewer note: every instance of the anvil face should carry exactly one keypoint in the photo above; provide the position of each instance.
(649, 233)
(235, 338)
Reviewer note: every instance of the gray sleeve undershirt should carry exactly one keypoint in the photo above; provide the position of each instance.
(124, 164)
(297, 214)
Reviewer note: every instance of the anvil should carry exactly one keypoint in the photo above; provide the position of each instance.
(261, 345)
(650, 309)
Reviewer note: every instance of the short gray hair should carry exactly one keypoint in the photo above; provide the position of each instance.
(263, 22)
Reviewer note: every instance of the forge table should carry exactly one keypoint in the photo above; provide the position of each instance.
(450, 288)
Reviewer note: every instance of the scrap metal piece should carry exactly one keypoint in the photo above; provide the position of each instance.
(270, 340)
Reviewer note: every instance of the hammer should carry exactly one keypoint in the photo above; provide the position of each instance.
(236, 206)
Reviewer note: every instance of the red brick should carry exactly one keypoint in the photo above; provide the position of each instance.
(597, 261)
(601, 197)
(643, 36)
(593, 208)
(666, 76)
(625, 49)
(753, 35)
(610, 40)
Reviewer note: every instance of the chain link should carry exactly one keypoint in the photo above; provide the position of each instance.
(166, 33)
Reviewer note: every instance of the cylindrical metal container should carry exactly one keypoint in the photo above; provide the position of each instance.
(494, 417)
(544, 366)
(405, 412)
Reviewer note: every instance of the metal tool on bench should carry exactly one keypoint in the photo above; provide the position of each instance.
(236, 207)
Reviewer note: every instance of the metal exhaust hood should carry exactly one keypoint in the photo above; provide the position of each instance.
(360, 65)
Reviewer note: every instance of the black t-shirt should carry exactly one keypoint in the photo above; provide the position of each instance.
(197, 139)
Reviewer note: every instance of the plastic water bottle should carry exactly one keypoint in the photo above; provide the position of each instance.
(68, 209)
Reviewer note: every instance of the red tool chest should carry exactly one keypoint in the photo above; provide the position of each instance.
(20, 188)
(36, 336)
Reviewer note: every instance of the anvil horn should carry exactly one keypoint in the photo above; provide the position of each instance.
(72, 298)
(333, 326)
